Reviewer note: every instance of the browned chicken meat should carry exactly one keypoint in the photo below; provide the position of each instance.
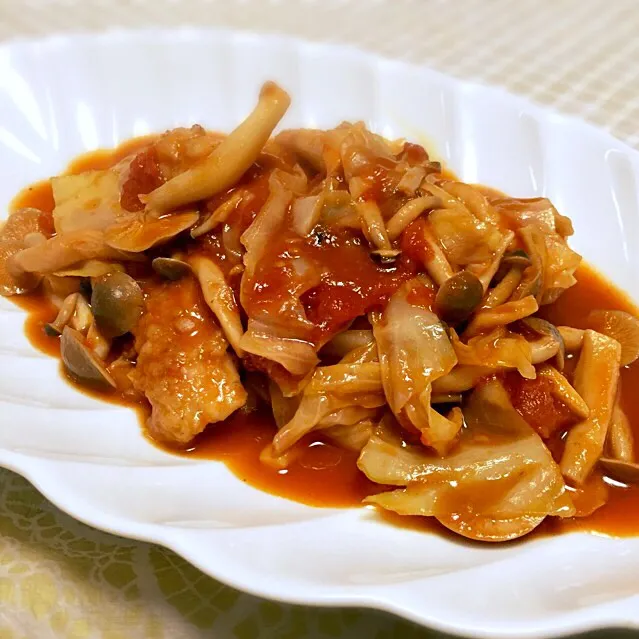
(183, 366)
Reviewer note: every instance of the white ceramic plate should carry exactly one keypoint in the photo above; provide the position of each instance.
(67, 95)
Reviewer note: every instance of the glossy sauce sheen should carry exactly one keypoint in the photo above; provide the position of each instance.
(325, 475)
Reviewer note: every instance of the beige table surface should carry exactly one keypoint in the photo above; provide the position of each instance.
(59, 578)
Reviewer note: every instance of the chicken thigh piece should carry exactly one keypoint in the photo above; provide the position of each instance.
(183, 366)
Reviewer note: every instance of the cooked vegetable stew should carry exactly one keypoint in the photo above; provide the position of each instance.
(339, 320)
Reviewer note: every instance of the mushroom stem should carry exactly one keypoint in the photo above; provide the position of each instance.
(229, 160)
(489, 318)
(543, 349)
(489, 272)
(573, 337)
(595, 380)
(548, 333)
(220, 299)
(620, 443)
(409, 213)
(373, 224)
(501, 293)
(64, 315)
(385, 257)
(97, 342)
(435, 262)
(82, 316)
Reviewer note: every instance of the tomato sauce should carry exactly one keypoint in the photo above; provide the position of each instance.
(340, 278)
(535, 402)
(414, 243)
(323, 474)
(354, 284)
(144, 176)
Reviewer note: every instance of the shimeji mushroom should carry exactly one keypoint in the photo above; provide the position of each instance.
(458, 297)
(81, 362)
(116, 302)
(171, 268)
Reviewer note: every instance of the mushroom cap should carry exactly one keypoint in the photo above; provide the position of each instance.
(80, 362)
(116, 302)
(458, 297)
